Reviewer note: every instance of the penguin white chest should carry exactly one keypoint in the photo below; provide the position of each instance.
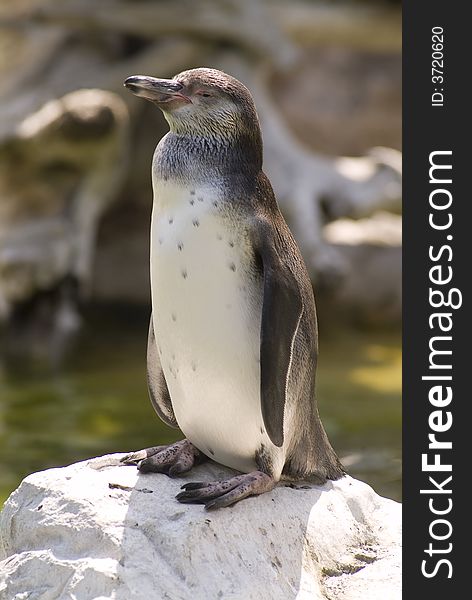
(207, 305)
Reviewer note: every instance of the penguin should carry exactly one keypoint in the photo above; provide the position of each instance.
(233, 341)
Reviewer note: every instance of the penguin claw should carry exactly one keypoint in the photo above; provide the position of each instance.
(185, 498)
(194, 486)
(218, 494)
(134, 458)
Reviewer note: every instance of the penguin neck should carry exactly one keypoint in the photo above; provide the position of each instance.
(185, 156)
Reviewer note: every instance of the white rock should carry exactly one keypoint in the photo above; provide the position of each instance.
(97, 530)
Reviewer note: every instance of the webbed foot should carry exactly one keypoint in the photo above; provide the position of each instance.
(172, 460)
(227, 492)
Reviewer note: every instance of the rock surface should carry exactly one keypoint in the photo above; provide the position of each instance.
(97, 530)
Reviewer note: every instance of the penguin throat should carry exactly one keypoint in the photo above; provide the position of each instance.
(195, 155)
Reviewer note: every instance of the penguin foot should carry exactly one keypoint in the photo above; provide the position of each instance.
(135, 457)
(171, 460)
(227, 492)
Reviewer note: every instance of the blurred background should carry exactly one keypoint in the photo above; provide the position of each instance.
(75, 202)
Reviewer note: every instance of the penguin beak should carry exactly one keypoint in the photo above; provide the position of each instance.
(160, 91)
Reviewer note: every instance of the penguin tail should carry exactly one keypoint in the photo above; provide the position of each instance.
(312, 458)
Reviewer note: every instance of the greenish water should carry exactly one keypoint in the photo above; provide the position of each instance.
(97, 403)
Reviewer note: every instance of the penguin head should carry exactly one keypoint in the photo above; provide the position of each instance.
(203, 102)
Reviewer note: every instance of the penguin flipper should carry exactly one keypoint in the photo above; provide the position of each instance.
(282, 310)
(157, 386)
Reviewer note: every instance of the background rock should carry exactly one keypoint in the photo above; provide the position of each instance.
(58, 175)
(99, 530)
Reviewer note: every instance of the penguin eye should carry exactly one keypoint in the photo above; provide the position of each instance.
(204, 94)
